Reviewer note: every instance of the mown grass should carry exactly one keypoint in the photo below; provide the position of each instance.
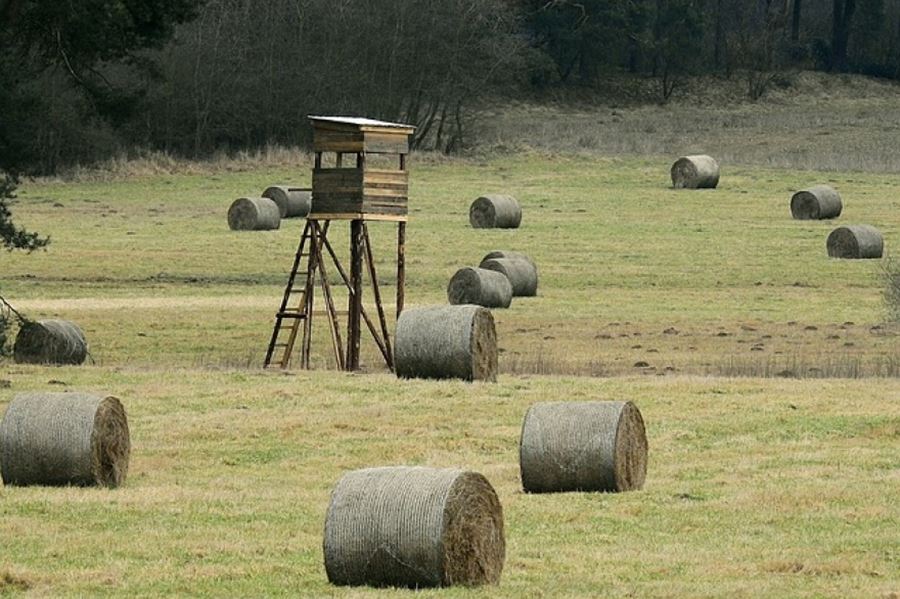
(778, 488)
(756, 486)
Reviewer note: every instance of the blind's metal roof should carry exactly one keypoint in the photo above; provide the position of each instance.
(360, 121)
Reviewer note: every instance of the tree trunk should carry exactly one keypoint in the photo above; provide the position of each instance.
(795, 20)
(840, 32)
(719, 47)
(9, 11)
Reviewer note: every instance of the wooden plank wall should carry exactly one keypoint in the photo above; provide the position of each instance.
(357, 191)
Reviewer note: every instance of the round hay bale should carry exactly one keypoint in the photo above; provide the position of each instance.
(292, 201)
(816, 203)
(442, 342)
(855, 242)
(254, 214)
(495, 212)
(481, 287)
(509, 254)
(522, 275)
(695, 172)
(64, 439)
(50, 342)
(583, 446)
(414, 527)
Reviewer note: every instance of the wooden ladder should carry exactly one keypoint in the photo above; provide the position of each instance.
(295, 305)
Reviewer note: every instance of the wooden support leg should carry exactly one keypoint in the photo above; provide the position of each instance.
(401, 265)
(376, 294)
(368, 321)
(355, 308)
(329, 304)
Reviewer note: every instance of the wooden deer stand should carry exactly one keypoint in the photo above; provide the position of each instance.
(357, 193)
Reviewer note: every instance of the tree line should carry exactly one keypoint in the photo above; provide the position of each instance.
(80, 81)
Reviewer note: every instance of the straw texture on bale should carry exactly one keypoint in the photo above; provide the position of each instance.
(443, 342)
(509, 254)
(855, 242)
(583, 446)
(816, 203)
(64, 439)
(481, 287)
(254, 214)
(495, 212)
(414, 527)
(522, 274)
(50, 342)
(695, 172)
(292, 201)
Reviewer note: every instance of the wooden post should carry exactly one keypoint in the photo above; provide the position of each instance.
(376, 295)
(329, 304)
(401, 265)
(401, 254)
(355, 308)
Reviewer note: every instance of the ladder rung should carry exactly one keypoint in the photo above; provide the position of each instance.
(287, 314)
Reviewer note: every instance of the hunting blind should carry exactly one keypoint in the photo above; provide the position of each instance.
(352, 190)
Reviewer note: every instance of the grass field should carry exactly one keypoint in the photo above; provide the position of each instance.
(757, 485)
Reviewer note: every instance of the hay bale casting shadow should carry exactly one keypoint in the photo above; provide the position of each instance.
(442, 342)
(64, 439)
(481, 287)
(583, 446)
(695, 172)
(495, 212)
(855, 242)
(816, 203)
(522, 274)
(292, 201)
(414, 527)
(50, 342)
(254, 214)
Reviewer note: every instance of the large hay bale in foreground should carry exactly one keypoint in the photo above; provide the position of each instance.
(50, 342)
(481, 287)
(64, 439)
(254, 214)
(414, 527)
(695, 172)
(292, 201)
(855, 242)
(522, 275)
(495, 211)
(816, 203)
(442, 342)
(583, 446)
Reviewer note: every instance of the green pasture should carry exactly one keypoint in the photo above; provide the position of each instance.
(150, 269)
(757, 485)
(754, 488)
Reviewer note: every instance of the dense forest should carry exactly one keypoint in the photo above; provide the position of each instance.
(80, 81)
